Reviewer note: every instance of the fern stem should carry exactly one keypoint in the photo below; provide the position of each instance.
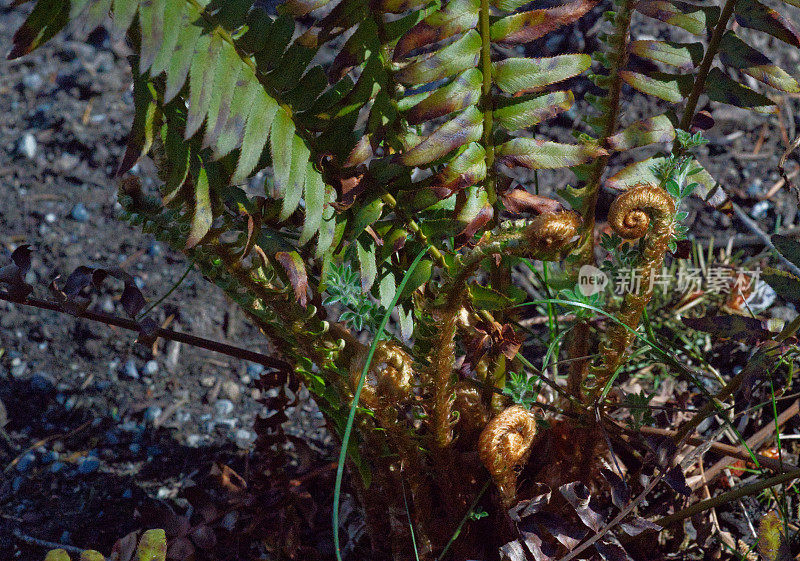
(579, 343)
(412, 225)
(705, 65)
(487, 103)
(645, 211)
(442, 363)
(618, 44)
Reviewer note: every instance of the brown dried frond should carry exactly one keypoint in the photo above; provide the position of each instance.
(504, 445)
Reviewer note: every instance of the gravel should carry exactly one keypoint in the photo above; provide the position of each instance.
(27, 146)
(130, 369)
(152, 413)
(88, 464)
(151, 368)
(223, 408)
(26, 462)
(231, 390)
(79, 213)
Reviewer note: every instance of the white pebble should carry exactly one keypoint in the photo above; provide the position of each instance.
(27, 146)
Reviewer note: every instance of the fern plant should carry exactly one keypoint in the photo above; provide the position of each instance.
(404, 140)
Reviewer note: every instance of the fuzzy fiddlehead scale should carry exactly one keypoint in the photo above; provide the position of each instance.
(644, 211)
(442, 361)
(472, 414)
(504, 445)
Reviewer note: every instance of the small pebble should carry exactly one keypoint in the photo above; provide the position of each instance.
(55, 467)
(244, 438)
(152, 413)
(18, 370)
(107, 305)
(50, 217)
(32, 81)
(127, 494)
(230, 520)
(254, 370)
(230, 423)
(134, 448)
(208, 381)
(223, 407)
(194, 440)
(155, 249)
(151, 367)
(139, 282)
(756, 188)
(89, 464)
(130, 369)
(79, 213)
(760, 209)
(130, 426)
(27, 146)
(16, 484)
(231, 390)
(553, 42)
(26, 462)
(182, 416)
(49, 456)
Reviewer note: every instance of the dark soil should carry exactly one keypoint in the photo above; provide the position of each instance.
(88, 452)
(87, 449)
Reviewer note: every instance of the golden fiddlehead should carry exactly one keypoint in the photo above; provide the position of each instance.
(504, 445)
(389, 379)
(644, 211)
(548, 236)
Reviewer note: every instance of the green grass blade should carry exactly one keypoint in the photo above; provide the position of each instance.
(337, 489)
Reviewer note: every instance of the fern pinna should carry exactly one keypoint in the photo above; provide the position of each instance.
(299, 144)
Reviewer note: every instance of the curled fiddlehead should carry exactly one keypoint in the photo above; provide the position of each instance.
(389, 379)
(644, 211)
(633, 211)
(504, 445)
(548, 236)
(472, 413)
